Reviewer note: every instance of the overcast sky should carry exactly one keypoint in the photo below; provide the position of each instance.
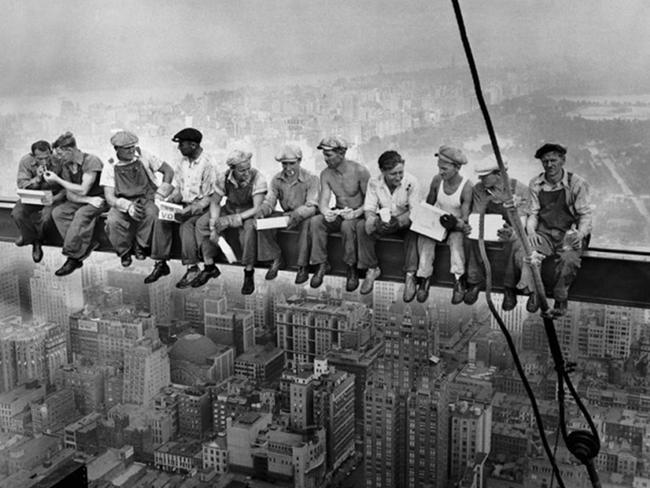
(72, 45)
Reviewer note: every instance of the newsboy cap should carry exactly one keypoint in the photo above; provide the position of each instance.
(550, 147)
(452, 155)
(188, 134)
(124, 138)
(488, 166)
(238, 156)
(332, 142)
(289, 153)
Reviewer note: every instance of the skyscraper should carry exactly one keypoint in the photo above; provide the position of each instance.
(146, 371)
(229, 326)
(470, 433)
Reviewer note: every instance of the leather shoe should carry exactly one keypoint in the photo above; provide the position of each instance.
(471, 295)
(126, 260)
(37, 252)
(458, 294)
(423, 289)
(186, 281)
(205, 275)
(369, 282)
(532, 305)
(20, 241)
(302, 275)
(317, 279)
(248, 287)
(140, 254)
(272, 273)
(352, 281)
(410, 287)
(160, 269)
(509, 299)
(68, 267)
(561, 306)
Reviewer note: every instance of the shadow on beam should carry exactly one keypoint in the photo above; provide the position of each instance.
(607, 276)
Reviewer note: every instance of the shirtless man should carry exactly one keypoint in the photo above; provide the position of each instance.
(347, 180)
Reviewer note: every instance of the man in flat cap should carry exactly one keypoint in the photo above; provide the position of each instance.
(347, 181)
(76, 217)
(35, 221)
(489, 197)
(452, 193)
(296, 189)
(244, 188)
(389, 199)
(194, 176)
(558, 224)
(130, 189)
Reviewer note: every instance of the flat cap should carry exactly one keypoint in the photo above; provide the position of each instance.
(188, 134)
(332, 142)
(488, 166)
(289, 153)
(550, 147)
(124, 138)
(238, 156)
(452, 155)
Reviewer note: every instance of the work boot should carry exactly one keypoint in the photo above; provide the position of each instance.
(458, 294)
(471, 295)
(273, 270)
(410, 287)
(423, 289)
(509, 299)
(369, 282)
(20, 241)
(532, 305)
(186, 281)
(160, 269)
(352, 281)
(302, 275)
(561, 306)
(68, 267)
(249, 282)
(209, 271)
(317, 279)
(140, 253)
(37, 252)
(126, 260)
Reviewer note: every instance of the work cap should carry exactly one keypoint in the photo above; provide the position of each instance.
(289, 153)
(452, 155)
(238, 156)
(487, 166)
(332, 142)
(188, 134)
(124, 138)
(550, 147)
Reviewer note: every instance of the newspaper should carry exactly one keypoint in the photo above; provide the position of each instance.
(167, 211)
(272, 223)
(493, 222)
(425, 220)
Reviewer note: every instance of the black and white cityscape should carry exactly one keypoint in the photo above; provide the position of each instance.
(149, 385)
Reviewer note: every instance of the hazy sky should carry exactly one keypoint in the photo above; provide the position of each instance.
(89, 44)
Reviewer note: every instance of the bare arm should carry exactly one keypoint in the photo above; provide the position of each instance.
(167, 172)
(432, 197)
(466, 201)
(325, 193)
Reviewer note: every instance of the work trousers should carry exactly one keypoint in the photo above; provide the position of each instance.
(246, 235)
(33, 221)
(268, 248)
(191, 238)
(368, 254)
(76, 224)
(123, 230)
(476, 266)
(427, 253)
(320, 229)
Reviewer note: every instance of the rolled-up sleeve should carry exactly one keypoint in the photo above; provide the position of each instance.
(25, 173)
(271, 199)
(108, 175)
(311, 201)
(582, 205)
(260, 185)
(371, 203)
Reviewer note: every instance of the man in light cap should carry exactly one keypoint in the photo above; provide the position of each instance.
(76, 217)
(194, 176)
(558, 224)
(452, 193)
(296, 189)
(244, 188)
(489, 197)
(347, 181)
(130, 189)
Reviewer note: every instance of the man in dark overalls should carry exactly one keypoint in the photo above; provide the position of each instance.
(558, 224)
(35, 221)
(76, 217)
(244, 188)
(489, 197)
(130, 189)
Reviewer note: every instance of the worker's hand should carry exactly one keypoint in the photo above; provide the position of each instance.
(183, 214)
(535, 240)
(136, 211)
(347, 214)
(97, 202)
(448, 221)
(222, 223)
(164, 191)
(388, 227)
(572, 239)
(330, 215)
(294, 219)
(40, 170)
(505, 233)
(464, 227)
(371, 225)
(50, 177)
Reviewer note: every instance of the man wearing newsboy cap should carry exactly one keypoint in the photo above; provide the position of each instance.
(130, 189)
